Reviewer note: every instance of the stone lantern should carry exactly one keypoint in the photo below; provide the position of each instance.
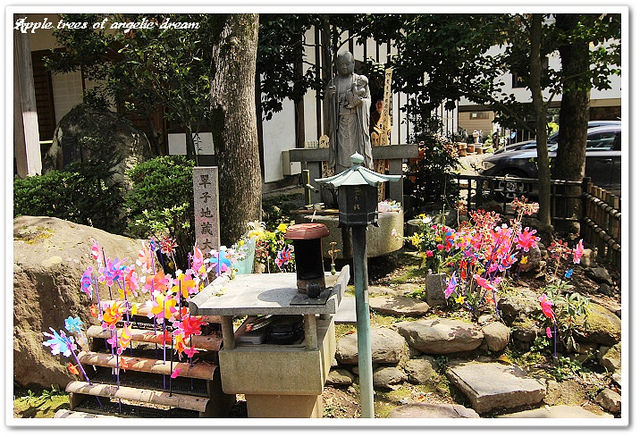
(358, 207)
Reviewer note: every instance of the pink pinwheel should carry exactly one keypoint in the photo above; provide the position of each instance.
(283, 257)
(197, 260)
(131, 280)
(190, 352)
(145, 259)
(546, 305)
(548, 332)
(484, 283)
(176, 372)
(112, 271)
(95, 250)
(526, 239)
(577, 252)
(451, 286)
(85, 282)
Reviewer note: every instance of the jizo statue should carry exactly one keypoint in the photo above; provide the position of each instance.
(347, 102)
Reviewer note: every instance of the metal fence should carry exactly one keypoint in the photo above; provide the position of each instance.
(601, 214)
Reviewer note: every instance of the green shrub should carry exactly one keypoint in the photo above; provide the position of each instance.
(84, 192)
(160, 202)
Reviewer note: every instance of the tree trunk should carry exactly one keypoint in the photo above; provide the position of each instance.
(574, 114)
(235, 128)
(190, 144)
(540, 108)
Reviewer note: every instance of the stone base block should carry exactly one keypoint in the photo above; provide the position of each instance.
(284, 406)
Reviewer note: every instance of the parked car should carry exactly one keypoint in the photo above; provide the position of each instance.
(553, 138)
(603, 160)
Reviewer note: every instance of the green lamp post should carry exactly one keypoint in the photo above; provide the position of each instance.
(358, 207)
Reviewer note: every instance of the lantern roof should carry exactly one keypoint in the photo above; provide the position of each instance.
(357, 174)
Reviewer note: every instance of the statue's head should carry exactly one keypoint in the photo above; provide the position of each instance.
(345, 63)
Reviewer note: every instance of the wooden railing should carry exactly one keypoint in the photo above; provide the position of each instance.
(602, 219)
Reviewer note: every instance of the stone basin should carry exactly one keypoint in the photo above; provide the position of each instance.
(379, 239)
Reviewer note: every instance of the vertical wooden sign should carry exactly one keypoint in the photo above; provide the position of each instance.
(206, 208)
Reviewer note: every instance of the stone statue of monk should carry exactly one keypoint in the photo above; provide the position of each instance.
(347, 102)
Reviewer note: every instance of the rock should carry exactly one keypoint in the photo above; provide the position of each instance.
(534, 256)
(492, 386)
(519, 304)
(605, 289)
(611, 359)
(568, 392)
(609, 400)
(421, 370)
(444, 411)
(558, 412)
(46, 289)
(434, 289)
(483, 319)
(525, 329)
(587, 258)
(617, 378)
(599, 275)
(496, 335)
(385, 377)
(377, 290)
(334, 362)
(387, 347)
(398, 306)
(340, 377)
(602, 327)
(90, 121)
(441, 336)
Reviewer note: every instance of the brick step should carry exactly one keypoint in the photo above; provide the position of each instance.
(200, 370)
(207, 342)
(153, 397)
(145, 311)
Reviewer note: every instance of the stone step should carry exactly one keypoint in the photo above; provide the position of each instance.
(207, 342)
(68, 414)
(155, 397)
(201, 370)
(145, 311)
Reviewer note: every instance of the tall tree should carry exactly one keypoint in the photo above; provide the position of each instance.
(234, 120)
(582, 69)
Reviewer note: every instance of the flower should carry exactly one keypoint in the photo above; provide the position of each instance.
(168, 245)
(416, 239)
(440, 247)
(548, 332)
(577, 252)
(283, 257)
(546, 305)
(429, 253)
(176, 372)
(568, 273)
(460, 299)
(282, 227)
(73, 324)
(59, 343)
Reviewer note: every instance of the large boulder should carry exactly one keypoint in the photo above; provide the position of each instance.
(87, 121)
(441, 336)
(387, 347)
(520, 303)
(601, 327)
(50, 256)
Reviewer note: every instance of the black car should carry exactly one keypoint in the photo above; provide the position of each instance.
(602, 161)
(553, 138)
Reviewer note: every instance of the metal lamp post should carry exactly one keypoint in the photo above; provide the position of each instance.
(358, 207)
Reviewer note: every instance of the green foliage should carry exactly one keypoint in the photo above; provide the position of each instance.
(86, 192)
(566, 368)
(430, 180)
(160, 202)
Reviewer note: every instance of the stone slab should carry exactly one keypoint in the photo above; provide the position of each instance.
(492, 386)
(398, 306)
(346, 310)
(260, 294)
(558, 412)
(419, 410)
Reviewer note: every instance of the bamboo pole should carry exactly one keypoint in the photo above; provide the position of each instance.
(208, 342)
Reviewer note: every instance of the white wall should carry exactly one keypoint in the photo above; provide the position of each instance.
(279, 134)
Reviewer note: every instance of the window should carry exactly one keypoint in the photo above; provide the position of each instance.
(479, 115)
(602, 140)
